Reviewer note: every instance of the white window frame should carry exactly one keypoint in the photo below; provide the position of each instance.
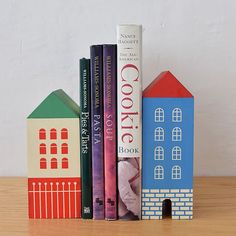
(176, 153)
(159, 172)
(176, 134)
(159, 115)
(159, 153)
(177, 115)
(159, 134)
(176, 172)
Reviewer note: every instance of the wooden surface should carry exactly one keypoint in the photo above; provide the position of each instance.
(214, 214)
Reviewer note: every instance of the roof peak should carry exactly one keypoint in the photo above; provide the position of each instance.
(56, 105)
(166, 85)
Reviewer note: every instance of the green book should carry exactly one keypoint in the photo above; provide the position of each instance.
(85, 139)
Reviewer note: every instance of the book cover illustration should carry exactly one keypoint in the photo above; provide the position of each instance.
(110, 154)
(129, 125)
(96, 52)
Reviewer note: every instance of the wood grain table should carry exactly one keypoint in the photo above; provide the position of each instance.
(214, 214)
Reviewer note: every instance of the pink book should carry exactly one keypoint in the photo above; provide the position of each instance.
(110, 162)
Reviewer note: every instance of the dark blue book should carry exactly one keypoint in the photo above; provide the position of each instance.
(85, 139)
(96, 54)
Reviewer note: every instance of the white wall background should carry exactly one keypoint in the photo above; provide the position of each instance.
(41, 42)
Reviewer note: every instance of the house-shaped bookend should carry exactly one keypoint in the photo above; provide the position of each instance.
(167, 186)
(54, 186)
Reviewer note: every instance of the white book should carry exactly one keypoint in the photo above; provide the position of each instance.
(129, 122)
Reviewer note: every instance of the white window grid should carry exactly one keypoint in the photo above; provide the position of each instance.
(177, 115)
(159, 153)
(176, 153)
(159, 172)
(159, 134)
(176, 172)
(176, 134)
(159, 115)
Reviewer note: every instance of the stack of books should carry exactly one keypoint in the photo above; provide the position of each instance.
(111, 135)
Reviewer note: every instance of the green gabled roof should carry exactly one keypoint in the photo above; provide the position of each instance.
(56, 105)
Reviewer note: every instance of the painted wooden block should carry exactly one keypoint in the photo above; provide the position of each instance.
(168, 113)
(54, 184)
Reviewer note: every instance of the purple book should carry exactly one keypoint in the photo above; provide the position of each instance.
(110, 162)
(96, 52)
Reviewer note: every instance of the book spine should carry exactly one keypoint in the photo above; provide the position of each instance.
(96, 52)
(129, 125)
(109, 93)
(85, 139)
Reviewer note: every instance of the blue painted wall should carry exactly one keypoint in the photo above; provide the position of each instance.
(149, 144)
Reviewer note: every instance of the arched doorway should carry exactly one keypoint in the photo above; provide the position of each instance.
(166, 209)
